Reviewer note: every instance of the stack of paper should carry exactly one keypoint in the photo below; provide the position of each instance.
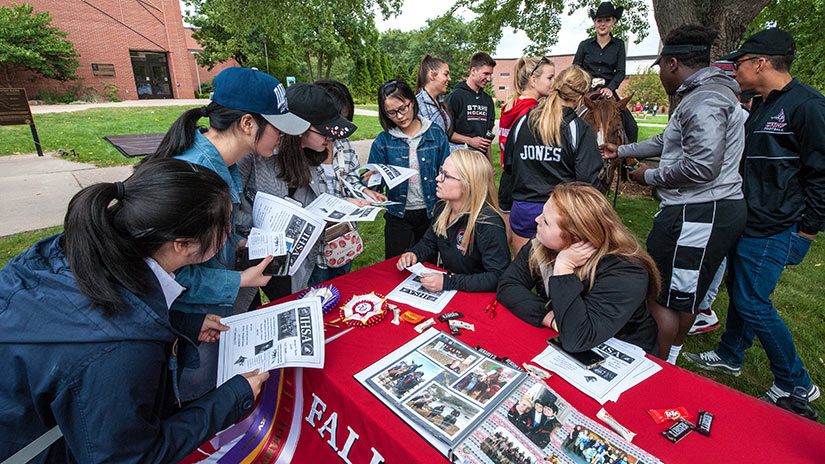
(624, 368)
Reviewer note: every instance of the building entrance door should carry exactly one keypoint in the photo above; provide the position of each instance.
(151, 74)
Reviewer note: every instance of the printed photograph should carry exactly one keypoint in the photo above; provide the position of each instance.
(538, 414)
(584, 446)
(406, 375)
(504, 448)
(450, 354)
(442, 408)
(485, 381)
(287, 326)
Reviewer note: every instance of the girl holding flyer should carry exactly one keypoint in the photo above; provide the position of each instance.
(412, 142)
(467, 230)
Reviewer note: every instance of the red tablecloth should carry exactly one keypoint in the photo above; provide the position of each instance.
(745, 429)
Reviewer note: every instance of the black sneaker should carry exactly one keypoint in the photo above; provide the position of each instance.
(797, 403)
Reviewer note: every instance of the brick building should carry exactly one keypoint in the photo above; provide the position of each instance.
(140, 46)
(503, 74)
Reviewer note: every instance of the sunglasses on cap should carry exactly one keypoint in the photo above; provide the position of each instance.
(543, 60)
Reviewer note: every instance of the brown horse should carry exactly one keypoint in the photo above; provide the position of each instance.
(604, 117)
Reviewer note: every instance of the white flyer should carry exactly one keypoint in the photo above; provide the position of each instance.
(300, 227)
(286, 335)
(625, 366)
(420, 269)
(262, 243)
(412, 293)
(357, 191)
(334, 209)
(392, 175)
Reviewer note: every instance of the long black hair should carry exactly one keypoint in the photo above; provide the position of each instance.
(111, 227)
(295, 163)
(181, 135)
(396, 88)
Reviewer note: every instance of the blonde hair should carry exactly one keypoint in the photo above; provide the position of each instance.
(525, 69)
(545, 120)
(585, 214)
(479, 187)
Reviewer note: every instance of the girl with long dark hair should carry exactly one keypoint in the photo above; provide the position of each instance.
(409, 141)
(89, 340)
(430, 90)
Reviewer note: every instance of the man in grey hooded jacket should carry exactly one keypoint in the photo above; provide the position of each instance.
(703, 210)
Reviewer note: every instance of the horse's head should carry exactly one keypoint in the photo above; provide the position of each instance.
(603, 116)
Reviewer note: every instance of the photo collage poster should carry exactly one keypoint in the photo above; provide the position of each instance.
(534, 424)
(439, 386)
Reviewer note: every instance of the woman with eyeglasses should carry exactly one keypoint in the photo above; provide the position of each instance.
(532, 80)
(412, 142)
(90, 342)
(293, 172)
(467, 229)
(547, 146)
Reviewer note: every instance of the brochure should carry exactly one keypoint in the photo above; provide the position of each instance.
(301, 228)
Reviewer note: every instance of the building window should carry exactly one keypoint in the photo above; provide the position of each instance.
(501, 87)
(505, 74)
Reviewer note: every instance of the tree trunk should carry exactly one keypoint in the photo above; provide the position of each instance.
(730, 18)
(320, 58)
(329, 65)
(309, 67)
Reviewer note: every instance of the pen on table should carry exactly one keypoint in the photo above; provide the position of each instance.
(490, 304)
(493, 310)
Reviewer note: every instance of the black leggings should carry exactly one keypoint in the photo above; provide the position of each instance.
(400, 234)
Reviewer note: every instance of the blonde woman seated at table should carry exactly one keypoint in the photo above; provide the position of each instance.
(591, 275)
(467, 230)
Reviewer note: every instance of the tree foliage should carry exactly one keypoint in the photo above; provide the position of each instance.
(646, 87)
(541, 19)
(27, 41)
(803, 20)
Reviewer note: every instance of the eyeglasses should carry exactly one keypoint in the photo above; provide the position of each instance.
(543, 60)
(402, 111)
(312, 129)
(736, 64)
(446, 176)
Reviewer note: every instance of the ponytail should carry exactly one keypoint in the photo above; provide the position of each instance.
(428, 64)
(545, 121)
(110, 228)
(181, 135)
(525, 69)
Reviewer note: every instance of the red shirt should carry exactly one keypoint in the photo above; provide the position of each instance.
(509, 116)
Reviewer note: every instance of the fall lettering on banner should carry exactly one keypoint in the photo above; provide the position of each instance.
(330, 426)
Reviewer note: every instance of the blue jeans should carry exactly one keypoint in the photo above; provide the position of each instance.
(321, 274)
(754, 268)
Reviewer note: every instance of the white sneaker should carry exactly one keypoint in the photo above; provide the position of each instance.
(775, 393)
(711, 361)
(705, 322)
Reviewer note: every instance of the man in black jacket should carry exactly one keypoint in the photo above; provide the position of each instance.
(783, 169)
(473, 110)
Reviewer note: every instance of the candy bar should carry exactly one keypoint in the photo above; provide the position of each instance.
(420, 328)
(449, 316)
(396, 314)
(615, 425)
(704, 422)
(678, 431)
(461, 325)
(455, 331)
(673, 414)
(411, 317)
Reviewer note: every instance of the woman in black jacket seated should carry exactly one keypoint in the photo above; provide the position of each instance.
(467, 228)
(591, 275)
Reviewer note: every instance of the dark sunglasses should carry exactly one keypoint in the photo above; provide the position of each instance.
(736, 64)
(542, 61)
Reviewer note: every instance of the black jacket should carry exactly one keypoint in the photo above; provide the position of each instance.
(474, 113)
(538, 167)
(480, 268)
(783, 167)
(615, 306)
(607, 62)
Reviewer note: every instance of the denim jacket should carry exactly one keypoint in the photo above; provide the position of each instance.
(433, 149)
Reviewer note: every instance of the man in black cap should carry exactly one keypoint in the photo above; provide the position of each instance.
(783, 168)
(604, 58)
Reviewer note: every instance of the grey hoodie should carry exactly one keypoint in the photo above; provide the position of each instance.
(702, 144)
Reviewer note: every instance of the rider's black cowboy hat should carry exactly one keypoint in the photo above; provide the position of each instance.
(607, 10)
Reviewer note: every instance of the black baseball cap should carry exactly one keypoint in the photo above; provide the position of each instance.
(314, 104)
(773, 41)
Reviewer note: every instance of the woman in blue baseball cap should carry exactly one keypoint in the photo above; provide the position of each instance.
(248, 114)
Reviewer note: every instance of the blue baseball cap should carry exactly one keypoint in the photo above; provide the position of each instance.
(246, 89)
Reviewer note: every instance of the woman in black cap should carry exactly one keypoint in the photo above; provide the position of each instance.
(603, 57)
(293, 173)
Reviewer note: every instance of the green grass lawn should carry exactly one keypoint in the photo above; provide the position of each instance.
(83, 131)
(368, 106)
(659, 119)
